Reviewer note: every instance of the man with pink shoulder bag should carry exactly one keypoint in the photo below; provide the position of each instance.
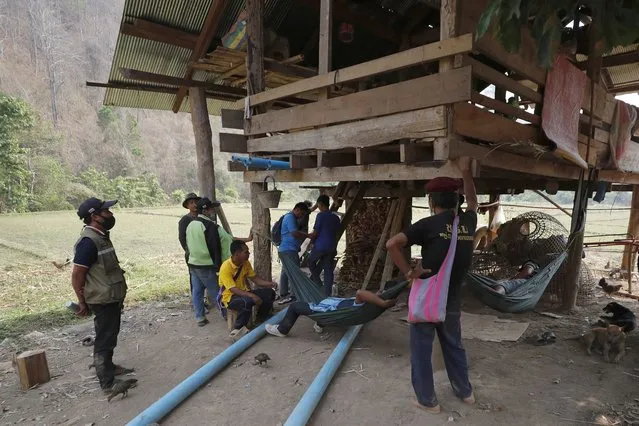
(434, 306)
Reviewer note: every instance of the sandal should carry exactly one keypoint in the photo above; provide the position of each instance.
(119, 370)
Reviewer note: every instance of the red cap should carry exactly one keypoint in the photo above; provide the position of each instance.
(443, 184)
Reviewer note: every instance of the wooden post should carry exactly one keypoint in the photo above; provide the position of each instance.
(325, 41)
(380, 244)
(261, 220)
(633, 229)
(576, 241)
(448, 17)
(261, 217)
(203, 142)
(32, 368)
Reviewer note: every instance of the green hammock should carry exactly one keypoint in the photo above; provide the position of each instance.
(306, 290)
(525, 298)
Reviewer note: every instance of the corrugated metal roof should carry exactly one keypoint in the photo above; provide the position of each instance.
(161, 58)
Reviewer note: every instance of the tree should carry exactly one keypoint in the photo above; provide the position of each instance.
(613, 22)
(15, 117)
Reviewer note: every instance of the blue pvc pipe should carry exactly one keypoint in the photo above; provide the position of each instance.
(262, 163)
(163, 406)
(313, 395)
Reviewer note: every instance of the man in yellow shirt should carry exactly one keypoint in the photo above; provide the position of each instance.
(237, 294)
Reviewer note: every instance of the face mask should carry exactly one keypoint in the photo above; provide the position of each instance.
(108, 222)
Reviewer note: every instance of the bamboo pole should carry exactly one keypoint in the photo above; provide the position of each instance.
(381, 243)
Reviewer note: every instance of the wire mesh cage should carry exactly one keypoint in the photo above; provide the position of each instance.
(533, 236)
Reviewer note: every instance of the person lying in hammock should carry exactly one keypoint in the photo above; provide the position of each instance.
(329, 304)
(527, 270)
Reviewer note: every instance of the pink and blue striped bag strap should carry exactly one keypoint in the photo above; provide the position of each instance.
(428, 297)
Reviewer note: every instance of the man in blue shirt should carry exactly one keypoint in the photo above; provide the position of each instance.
(290, 245)
(327, 225)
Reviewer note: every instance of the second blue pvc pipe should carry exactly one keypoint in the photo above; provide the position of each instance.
(313, 395)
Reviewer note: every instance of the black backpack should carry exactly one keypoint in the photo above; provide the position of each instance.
(276, 231)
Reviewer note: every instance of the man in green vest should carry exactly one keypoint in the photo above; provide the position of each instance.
(205, 256)
(99, 284)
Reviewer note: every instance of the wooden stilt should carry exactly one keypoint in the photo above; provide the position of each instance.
(381, 243)
(32, 368)
(203, 142)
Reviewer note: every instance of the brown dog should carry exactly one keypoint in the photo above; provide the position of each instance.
(607, 338)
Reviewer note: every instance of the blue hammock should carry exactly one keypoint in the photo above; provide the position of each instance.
(524, 298)
(306, 290)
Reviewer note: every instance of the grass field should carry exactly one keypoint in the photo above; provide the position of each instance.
(33, 291)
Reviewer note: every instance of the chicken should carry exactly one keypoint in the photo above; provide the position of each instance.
(261, 358)
(609, 289)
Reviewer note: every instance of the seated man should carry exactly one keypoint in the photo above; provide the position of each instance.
(527, 270)
(236, 294)
(326, 305)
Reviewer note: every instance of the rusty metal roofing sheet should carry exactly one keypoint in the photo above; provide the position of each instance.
(161, 58)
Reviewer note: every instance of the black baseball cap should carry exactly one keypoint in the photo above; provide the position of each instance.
(204, 203)
(190, 196)
(93, 205)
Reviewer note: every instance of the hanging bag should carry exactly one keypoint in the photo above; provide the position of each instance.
(428, 296)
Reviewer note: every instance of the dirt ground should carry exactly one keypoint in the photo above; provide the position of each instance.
(515, 382)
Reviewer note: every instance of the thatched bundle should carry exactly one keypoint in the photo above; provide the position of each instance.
(362, 236)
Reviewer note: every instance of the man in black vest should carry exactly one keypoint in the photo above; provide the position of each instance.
(99, 284)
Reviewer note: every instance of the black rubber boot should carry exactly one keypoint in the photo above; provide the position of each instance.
(104, 372)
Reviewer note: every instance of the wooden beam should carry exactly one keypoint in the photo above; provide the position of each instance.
(414, 153)
(233, 119)
(203, 143)
(201, 46)
(373, 172)
(157, 32)
(614, 60)
(474, 122)
(491, 75)
(449, 87)
(407, 58)
(503, 107)
(232, 142)
(626, 88)
(364, 133)
(376, 156)
(176, 81)
(506, 161)
(335, 159)
(303, 161)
